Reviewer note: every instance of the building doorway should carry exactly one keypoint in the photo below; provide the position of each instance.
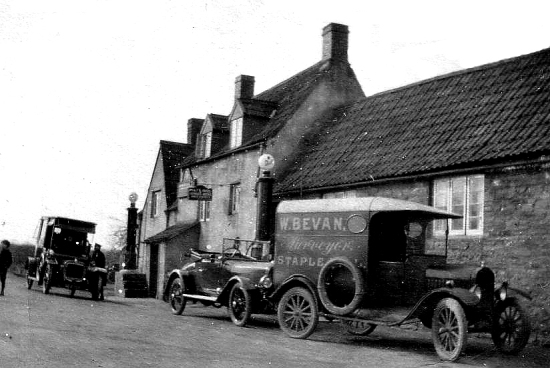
(153, 270)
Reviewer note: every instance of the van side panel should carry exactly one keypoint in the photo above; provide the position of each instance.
(306, 241)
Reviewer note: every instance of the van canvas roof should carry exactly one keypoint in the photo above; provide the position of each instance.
(364, 204)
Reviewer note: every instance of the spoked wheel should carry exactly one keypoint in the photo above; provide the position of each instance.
(240, 305)
(297, 313)
(176, 298)
(511, 327)
(449, 329)
(47, 281)
(359, 328)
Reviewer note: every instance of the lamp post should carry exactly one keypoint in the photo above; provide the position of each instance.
(130, 256)
(266, 162)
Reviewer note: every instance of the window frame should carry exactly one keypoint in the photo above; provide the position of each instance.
(204, 211)
(155, 203)
(463, 185)
(236, 133)
(234, 198)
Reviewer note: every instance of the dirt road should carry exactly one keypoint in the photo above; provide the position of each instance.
(38, 330)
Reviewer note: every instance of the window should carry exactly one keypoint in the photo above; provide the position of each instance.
(234, 198)
(204, 210)
(205, 145)
(236, 132)
(155, 203)
(464, 196)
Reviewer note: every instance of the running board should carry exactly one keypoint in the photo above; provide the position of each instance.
(212, 299)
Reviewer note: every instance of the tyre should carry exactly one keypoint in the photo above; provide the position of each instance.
(240, 305)
(298, 313)
(449, 329)
(340, 285)
(176, 298)
(359, 328)
(511, 327)
(47, 280)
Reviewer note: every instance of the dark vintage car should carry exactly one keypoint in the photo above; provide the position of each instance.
(365, 262)
(62, 257)
(237, 278)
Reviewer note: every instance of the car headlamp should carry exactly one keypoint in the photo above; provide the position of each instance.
(266, 282)
(51, 253)
(476, 290)
(503, 291)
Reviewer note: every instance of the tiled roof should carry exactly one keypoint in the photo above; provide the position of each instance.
(483, 115)
(286, 97)
(172, 154)
(171, 232)
(219, 122)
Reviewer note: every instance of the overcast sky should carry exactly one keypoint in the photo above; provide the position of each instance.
(89, 88)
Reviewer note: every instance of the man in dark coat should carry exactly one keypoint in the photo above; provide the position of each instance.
(5, 263)
(98, 258)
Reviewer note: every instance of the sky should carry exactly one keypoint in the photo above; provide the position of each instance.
(89, 88)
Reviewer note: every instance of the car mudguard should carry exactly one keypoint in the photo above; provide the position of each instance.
(428, 302)
(97, 269)
(295, 280)
(245, 281)
(183, 274)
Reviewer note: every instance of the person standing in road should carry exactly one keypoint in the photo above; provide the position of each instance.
(5, 263)
(98, 258)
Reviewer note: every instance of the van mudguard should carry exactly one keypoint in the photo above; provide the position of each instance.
(423, 309)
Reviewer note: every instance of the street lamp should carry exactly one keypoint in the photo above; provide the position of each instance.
(266, 162)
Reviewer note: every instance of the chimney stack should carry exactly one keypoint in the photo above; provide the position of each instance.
(244, 86)
(194, 127)
(335, 42)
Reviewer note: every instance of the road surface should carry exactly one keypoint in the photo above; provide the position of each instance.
(55, 330)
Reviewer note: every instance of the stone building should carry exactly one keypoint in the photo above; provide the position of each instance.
(475, 142)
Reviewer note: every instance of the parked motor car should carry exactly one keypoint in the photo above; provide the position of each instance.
(237, 278)
(365, 262)
(62, 257)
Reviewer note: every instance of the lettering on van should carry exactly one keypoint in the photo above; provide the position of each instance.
(308, 223)
(300, 261)
(323, 246)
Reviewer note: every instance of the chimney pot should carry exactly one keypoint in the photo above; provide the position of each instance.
(244, 86)
(335, 42)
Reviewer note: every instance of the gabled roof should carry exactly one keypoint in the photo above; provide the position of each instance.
(172, 154)
(171, 232)
(484, 115)
(286, 98)
(219, 122)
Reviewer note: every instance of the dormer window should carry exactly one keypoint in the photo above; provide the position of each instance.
(205, 144)
(236, 133)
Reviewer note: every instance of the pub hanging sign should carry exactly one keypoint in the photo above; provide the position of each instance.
(199, 193)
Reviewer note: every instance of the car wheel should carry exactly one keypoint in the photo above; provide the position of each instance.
(359, 328)
(511, 327)
(298, 313)
(240, 305)
(47, 281)
(340, 286)
(176, 298)
(449, 329)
